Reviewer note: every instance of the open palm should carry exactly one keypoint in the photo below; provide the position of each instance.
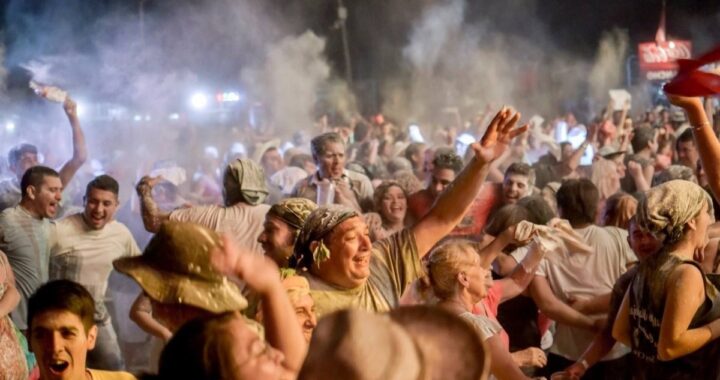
(498, 135)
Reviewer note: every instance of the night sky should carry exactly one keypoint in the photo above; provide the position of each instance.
(377, 29)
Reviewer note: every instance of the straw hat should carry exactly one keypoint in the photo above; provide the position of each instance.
(409, 343)
(175, 269)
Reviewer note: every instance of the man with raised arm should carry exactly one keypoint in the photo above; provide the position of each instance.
(242, 216)
(346, 270)
(24, 156)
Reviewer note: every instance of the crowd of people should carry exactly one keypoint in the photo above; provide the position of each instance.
(552, 249)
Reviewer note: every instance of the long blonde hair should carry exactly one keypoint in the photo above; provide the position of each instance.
(446, 262)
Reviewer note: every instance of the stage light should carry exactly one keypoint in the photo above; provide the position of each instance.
(199, 101)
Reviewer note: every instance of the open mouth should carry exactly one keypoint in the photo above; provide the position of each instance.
(57, 367)
(361, 259)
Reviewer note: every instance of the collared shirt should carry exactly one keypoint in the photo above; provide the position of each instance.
(24, 239)
(360, 185)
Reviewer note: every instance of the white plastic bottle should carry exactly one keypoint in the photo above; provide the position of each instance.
(52, 93)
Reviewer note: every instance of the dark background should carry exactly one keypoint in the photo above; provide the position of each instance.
(377, 29)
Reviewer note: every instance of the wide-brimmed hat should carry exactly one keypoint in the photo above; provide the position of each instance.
(417, 342)
(175, 268)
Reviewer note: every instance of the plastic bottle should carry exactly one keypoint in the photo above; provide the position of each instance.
(52, 93)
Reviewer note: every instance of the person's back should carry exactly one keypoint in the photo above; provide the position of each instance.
(242, 216)
(585, 275)
(242, 221)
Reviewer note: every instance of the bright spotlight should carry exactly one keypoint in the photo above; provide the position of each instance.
(199, 101)
(137, 118)
(174, 116)
(672, 45)
(10, 127)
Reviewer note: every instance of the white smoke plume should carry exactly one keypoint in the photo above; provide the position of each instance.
(454, 63)
(608, 69)
(289, 78)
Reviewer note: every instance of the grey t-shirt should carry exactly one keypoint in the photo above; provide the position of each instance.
(24, 239)
(9, 193)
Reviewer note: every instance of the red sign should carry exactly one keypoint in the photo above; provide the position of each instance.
(661, 56)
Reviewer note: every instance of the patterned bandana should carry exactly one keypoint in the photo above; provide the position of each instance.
(317, 225)
(667, 208)
(244, 181)
(293, 211)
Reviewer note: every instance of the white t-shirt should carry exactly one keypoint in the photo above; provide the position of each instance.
(85, 255)
(242, 221)
(586, 276)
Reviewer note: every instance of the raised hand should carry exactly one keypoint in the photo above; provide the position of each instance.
(146, 184)
(70, 107)
(498, 135)
(259, 272)
(684, 102)
(634, 168)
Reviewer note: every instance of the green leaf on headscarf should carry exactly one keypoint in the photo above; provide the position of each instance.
(321, 253)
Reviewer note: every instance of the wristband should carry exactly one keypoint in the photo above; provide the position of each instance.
(584, 364)
(699, 127)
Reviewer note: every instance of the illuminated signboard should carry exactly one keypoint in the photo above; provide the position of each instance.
(228, 97)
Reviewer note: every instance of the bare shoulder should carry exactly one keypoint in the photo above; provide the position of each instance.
(685, 278)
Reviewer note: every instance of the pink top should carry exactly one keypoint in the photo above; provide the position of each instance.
(488, 307)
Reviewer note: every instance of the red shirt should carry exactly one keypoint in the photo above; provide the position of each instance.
(472, 225)
(488, 307)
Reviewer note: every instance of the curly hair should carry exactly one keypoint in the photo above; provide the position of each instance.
(382, 189)
(448, 160)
